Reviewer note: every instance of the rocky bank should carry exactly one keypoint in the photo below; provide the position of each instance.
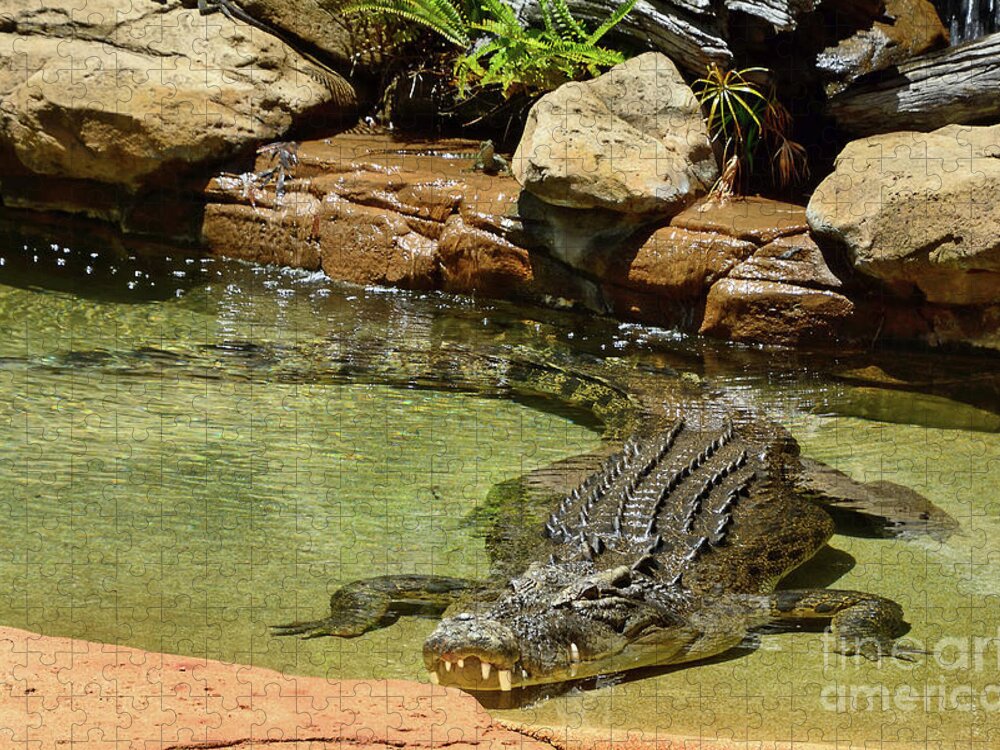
(149, 117)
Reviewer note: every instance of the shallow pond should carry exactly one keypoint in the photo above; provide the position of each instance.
(194, 449)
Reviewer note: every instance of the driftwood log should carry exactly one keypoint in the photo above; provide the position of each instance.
(694, 33)
(956, 85)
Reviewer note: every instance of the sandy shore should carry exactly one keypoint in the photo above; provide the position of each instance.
(57, 692)
(66, 693)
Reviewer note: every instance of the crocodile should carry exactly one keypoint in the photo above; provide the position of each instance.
(670, 552)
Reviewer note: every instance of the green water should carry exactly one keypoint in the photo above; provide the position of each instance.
(186, 457)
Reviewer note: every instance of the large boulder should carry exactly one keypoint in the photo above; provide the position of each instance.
(631, 141)
(132, 95)
(347, 40)
(918, 211)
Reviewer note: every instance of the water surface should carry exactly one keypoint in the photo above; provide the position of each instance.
(194, 449)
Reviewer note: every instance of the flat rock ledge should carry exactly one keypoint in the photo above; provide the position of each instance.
(373, 211)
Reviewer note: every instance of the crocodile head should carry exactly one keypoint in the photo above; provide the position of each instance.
(559, 622)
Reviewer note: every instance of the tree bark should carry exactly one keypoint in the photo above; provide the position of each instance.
(956, 85)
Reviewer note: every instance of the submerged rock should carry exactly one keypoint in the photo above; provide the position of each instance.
(632, 141)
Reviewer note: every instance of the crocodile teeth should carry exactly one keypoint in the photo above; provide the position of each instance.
(573, 669)
(447, 666)
(486, 667)
(504, 675)
(461, 663)
(433, 677)
(574, 652)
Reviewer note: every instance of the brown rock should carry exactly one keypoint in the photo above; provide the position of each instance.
(753, 218)
(410, 193)
(918, 211)
(348, 41)
(793, 260)
(675, 263)
(475, 261)
(282, 236)
(770, 312)
(367, 245)
(632, 140)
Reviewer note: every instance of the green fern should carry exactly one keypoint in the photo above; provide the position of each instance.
(613, 20)
(440, 16)
(512, 56)
(536, 59)
(569, 28)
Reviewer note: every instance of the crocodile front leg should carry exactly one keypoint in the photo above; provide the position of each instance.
(863, 624)
(375, 603)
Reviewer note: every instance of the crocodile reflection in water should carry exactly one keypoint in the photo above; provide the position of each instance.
(669, 553)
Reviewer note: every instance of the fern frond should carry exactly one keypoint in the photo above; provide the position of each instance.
(502, 12)
(440, 16)
(613, 20)
(568, 27)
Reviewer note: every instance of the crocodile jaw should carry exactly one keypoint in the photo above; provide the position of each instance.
(474, 652)
(482, 654)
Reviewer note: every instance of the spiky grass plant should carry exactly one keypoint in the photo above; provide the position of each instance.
(741, 115)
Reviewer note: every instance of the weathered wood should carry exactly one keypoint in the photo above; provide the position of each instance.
(686, 31)
(783, 15)
(694, 33)
(956, 85)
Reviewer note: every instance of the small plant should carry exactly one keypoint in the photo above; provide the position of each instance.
(443, 17)
(742, 115)
(509, 54)
(519, 58)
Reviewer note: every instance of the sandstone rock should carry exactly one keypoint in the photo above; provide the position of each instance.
(374, 210)
(632, 140)
(794, 260)
(918, 211)
(915, 28)
(675, 263)
(771, 312)
(284, 235)
(349, 41)
(131, 95)
(366, 245)
(751, 218)
(476, 261)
